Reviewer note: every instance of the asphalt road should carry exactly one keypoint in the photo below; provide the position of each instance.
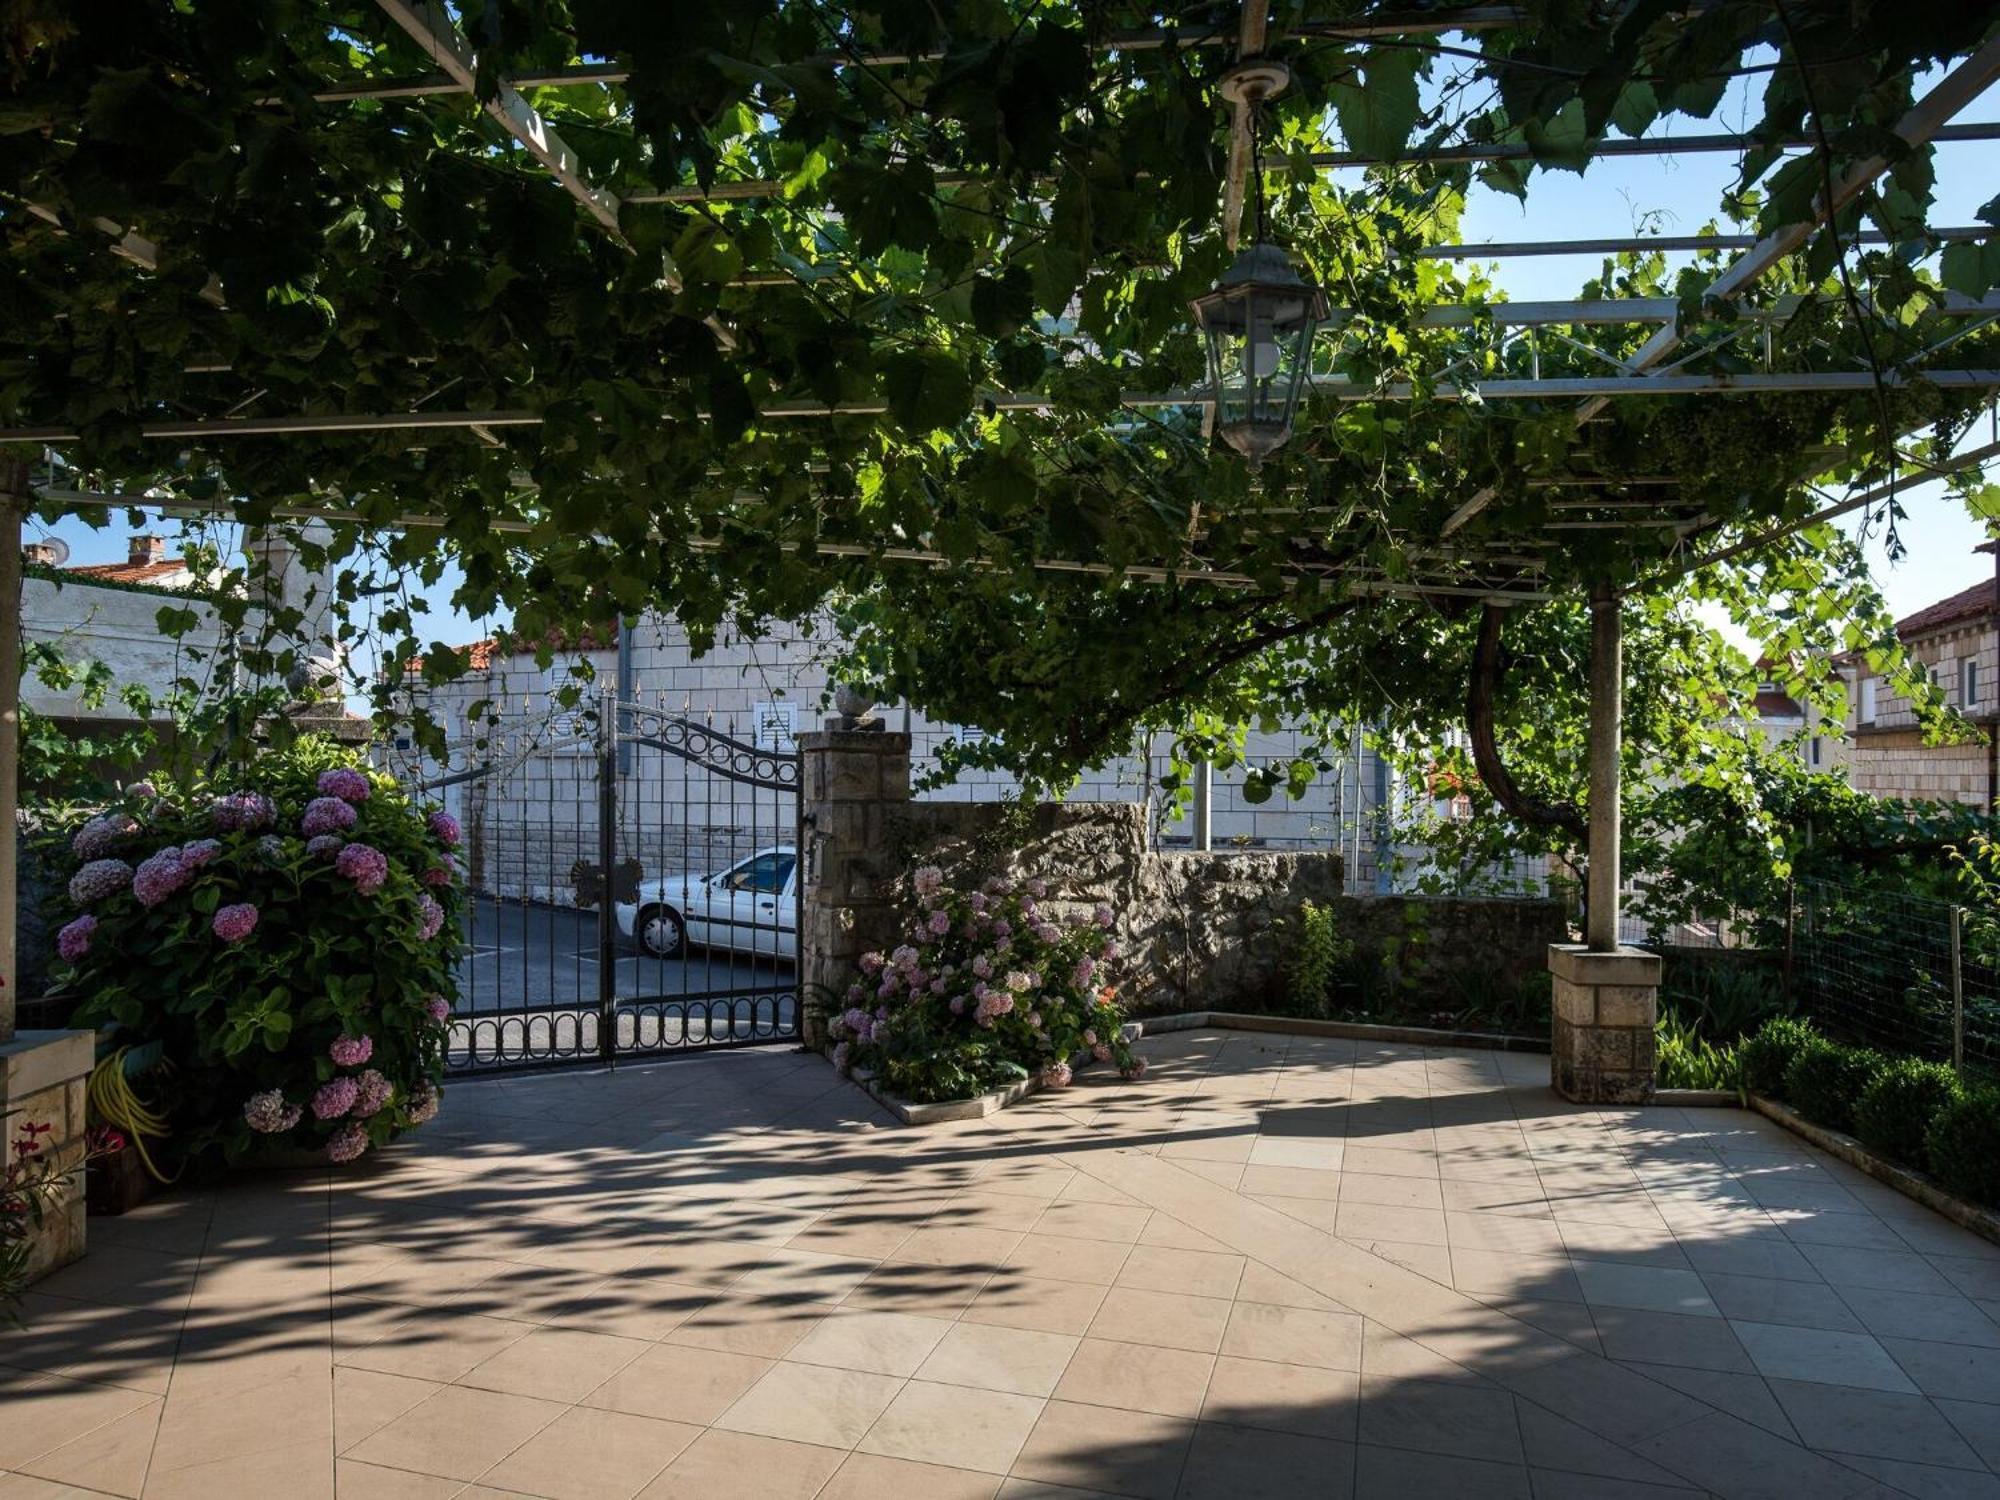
(528, 991)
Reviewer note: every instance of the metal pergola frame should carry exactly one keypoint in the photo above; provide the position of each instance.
(1651, 371)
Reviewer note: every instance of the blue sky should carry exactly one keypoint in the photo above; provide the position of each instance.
(1608, 199)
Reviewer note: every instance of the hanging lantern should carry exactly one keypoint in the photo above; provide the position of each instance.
(1259, 324)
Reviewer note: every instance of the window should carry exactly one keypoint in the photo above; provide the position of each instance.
(1868, 701)
(767, 872)
(1818, 748)
(1968, 685)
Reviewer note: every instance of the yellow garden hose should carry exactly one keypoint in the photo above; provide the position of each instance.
(113, 1103)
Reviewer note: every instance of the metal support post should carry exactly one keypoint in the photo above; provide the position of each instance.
(607, 854)
(1958, 989)
(1204, 807)
(1606, 708)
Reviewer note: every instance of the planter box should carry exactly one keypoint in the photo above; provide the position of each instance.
(979, 1106)
(117, 1183)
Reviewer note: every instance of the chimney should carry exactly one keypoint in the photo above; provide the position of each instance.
(143, 548)
(42, 554)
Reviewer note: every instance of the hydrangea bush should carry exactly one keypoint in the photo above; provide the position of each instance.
(291, 939)
(987, 988)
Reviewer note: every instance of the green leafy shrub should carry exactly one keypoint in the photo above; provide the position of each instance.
(1826, 1080)
(1728, 999)
(1689, 1060)
(1896, 1112)
(288, 936)
(985, 989)
(1764, 1057)
(1963, 1145)
(1319, 954)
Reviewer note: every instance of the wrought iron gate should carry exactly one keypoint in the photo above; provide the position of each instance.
(633, 887)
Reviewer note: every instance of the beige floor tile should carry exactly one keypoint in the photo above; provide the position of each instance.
(1818, 1354)
(358, 1481)
(1283, 1398)
(767, 1327)
(740, 1466)
(1289, 1182)
(1390, 1161)
(1200, 1273)
(804, 1273)
(458, 1434)
(45, 1412)
(588, 1454)
(1391, 1192)
(1171, 1234)
(629, 1307)
(1644, 1287)
(554, 1364)
(1440, 1417)
(987, 1209)
(679, 1383)
(1169, 1382)
(1019, 1360)
(440, 1345)
(1546, 1278)
(1009, 1301)
(1522, 1199)
(1104, 1450)
(960, 1249)
(1512, 1234)
(1113, 1222)
(1372, 1221)
(1241, 1464)
(1067, 1258)
(878, 1342)
(1262, 1284)
(1166, 1320)
(1322, 1153)
(954, 1427)
(811, 1404)
(299, 1471)
(112, 1458)
(1397, 1471)
(869, 1476)
(1877, 1424)
(366, 1401)
(1294, 1335)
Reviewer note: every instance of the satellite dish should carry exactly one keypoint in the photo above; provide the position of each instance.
(58, 550)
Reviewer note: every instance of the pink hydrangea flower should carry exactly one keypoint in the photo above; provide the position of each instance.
(1101, 1052)
(268, 1113)
(1038, 888)
(871, 963)
(159, 875)
(430, 917)
(1102, 916)
(198, 853)
(335, 1098)
(1081, 974)
(439, 1008)
(842, 1057)
(74, 940)
(372, 1091)
(442, 873)
(858, 1022)
(1001, 927)
(444, 828)
(982, 966)
(98, 879)
(1089, 1038)
(327, 815)
(232, 924)
(366, 866)
(958, 1005)
(937, 986)
(928, 881)
(348, 785)
(977, 901)
(1056, 1076)
(244, 812)
(351, 1051)
(348, 1143)
(102, 834)
(1134, 1070)
(325, 845)
(423, 1105)
(938, 923)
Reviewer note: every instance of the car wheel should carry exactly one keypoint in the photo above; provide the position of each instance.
(661, 931)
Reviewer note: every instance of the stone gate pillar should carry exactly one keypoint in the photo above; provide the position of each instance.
(851, 783)
(1605, 1006)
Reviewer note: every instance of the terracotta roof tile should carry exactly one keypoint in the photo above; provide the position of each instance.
(130, 572)
(1975, 603)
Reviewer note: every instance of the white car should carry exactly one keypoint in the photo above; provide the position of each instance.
(751, 907)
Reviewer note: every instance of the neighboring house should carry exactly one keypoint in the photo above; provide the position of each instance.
(768, 690)
(109, 612)
(1955, 641)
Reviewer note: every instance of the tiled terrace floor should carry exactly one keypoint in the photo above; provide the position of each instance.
(1274, 1268)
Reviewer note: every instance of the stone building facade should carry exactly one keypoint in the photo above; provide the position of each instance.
(532, 820)
(1885, 751)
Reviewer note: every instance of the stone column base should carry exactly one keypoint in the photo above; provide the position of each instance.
(1605, 1006)
(42, 1080)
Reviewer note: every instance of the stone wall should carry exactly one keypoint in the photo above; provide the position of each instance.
(42, 1080)
(1206, 931)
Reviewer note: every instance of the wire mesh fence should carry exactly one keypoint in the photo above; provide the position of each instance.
(1898, 971)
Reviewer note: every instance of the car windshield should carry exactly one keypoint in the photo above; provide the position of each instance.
(767, 872)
